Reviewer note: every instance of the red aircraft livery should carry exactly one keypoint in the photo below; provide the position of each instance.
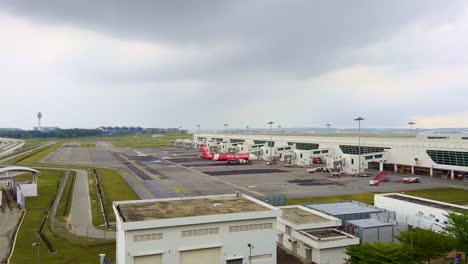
(234, 158)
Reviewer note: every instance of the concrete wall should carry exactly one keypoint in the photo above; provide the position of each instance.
(233, 244)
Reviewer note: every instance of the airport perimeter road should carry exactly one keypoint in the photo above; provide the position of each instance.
(8, 145)
(28, 151)
(8, 222)
(80, 213)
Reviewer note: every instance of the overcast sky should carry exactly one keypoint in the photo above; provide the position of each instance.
(169, 63)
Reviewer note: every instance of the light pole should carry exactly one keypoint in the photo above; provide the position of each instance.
(250, 252)
(226, 126)
(359, 119)
(37, 246)
(198, 128)
(411, 126)
(271, 139)
(328, 127)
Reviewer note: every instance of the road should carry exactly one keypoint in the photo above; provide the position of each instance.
(8, 222)
(80, 213)
(8, 145)
(24, 152)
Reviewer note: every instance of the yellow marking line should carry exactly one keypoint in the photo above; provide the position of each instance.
(137, 182)
(154, 176)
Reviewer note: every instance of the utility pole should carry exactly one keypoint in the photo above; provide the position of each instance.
(271, 139)
(359, 119)
(328, 127)
(37, 246)
(198, 129)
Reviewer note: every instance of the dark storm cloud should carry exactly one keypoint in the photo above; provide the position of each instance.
(298, 38)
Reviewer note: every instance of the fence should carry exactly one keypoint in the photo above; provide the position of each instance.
(81, 235)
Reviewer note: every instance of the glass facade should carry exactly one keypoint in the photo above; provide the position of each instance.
(454, 158)
(304, 146)
(349, 149)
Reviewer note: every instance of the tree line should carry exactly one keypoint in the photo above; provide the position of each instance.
(57, 133)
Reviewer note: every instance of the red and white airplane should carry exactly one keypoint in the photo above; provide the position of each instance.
(230, 158)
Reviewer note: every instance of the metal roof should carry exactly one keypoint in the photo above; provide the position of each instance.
(369, 222)
(344, 208)
(18, 168)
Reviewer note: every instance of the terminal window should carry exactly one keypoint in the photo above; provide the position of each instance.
(350, 149)
(304, 146)
(454, 158)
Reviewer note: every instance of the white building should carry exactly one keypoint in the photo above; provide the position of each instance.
(416, 211)
(431, 155)
(209, 229)
(313, 236)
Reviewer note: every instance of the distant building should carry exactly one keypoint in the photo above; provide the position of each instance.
(45, 129)
(231, 229)
(111, 129)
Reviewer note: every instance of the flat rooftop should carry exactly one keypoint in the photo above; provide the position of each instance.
(434, 204)
(327, 234)
(343, 208)
(299, 216)
(370, 222)
(157, 210)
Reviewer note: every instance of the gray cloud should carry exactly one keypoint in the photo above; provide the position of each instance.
(300, 38)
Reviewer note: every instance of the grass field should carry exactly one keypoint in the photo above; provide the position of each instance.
(97, 216)
(87, 145)
(64, 206)
(33, 142)
(115, 189)
(33, 157)
(448, 195)
(142, 140)
(28, 233)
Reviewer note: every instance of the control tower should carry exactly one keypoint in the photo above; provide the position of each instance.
(39, 116)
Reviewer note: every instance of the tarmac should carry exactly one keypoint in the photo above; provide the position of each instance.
(173, 172)
(8, 222)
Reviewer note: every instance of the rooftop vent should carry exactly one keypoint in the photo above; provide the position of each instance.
(218, 205)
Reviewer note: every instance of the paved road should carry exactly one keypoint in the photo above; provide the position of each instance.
(7, 225)
(80, 213)
(28, 151)
(8, 145)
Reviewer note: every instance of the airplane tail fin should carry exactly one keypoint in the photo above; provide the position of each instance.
(205, 151)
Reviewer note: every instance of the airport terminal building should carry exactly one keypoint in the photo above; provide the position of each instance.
(438, 155)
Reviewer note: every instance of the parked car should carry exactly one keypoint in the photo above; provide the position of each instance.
(374, 182)
(411, 180)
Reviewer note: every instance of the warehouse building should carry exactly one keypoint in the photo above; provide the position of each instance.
(313, 236)
(427, 154)
(231, 229)
(416, 211)
(369, 223)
